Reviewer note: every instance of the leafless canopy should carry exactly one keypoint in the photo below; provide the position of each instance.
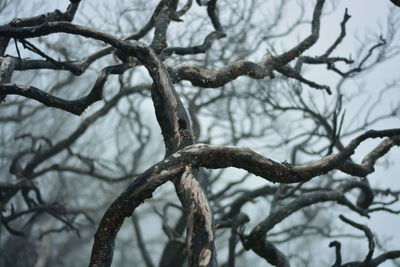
(286, 134)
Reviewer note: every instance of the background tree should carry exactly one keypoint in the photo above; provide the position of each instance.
(261, 86)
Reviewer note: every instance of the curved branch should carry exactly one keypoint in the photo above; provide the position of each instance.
(216, 157)
(73, 106)
(368, 234)
(199, 220)
(212, 14)
(368, 259)
(337, 246)
(367, 165)
(220, 157)
(139, 190)
(296, 51)
(198, 49)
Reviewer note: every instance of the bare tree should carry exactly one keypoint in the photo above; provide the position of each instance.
(228, 84)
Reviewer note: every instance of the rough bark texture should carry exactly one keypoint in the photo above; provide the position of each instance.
(180, 128)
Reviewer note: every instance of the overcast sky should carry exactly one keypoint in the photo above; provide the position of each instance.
(368, 18)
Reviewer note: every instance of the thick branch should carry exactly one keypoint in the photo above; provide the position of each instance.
(139, 190)
(199, 220)
(394, 254)
(269, 252)
(7, 66)
(214, 79)
(221, 157)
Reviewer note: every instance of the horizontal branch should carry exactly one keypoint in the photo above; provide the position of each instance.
(74, 106)
(135, 48)
(216, 157)
(77, 106)
(212, 79)
(79, 67)
(196, 75)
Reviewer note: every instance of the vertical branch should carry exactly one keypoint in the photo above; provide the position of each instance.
(7, 66)
(174, 123)
(177, 132)
(338, 254)
(199, 220)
